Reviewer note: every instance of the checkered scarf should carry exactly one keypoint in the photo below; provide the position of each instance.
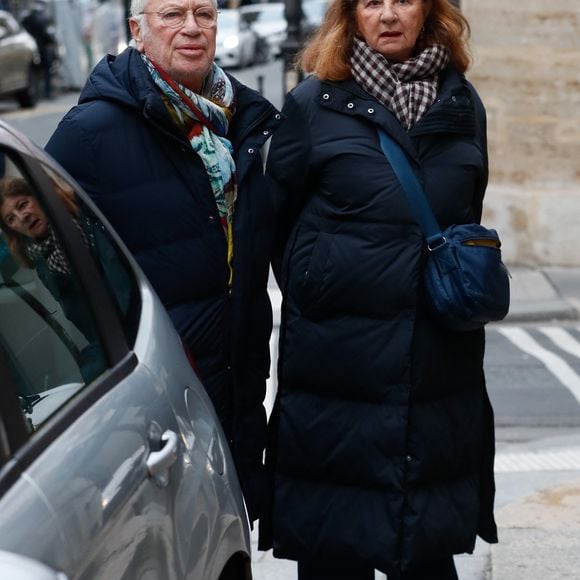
(49, 249)
(408, 88)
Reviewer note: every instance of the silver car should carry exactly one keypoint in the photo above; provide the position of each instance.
(21, 76)
(112, 463)
(268, 21)
(236, 42)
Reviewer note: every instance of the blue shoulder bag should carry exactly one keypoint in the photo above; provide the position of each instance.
(466, 282)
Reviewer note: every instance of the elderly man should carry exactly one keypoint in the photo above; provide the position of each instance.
(168, 145)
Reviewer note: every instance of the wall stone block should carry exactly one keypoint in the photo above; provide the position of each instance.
(527, 71)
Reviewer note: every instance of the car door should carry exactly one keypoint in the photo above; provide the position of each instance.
(112, 464)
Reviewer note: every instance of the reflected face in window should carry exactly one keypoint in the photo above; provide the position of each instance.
(23, 215)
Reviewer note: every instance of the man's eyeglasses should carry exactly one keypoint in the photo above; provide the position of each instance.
(175, 17)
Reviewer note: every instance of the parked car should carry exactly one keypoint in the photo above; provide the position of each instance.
(20, 76)
(314, 11)
(235, 42)
(113, 464)
(268, 21)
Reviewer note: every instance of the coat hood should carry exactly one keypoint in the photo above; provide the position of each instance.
(122, 79)
(125, 80)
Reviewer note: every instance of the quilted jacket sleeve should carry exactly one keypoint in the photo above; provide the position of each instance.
(287, 170)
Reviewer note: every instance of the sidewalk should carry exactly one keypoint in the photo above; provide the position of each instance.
(544, 294)
(538, 517)
(538, 512)
(538, 484)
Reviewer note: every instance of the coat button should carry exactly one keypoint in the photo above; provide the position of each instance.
(211, 219)
(408, 458)
(350, 106)
(371, 111)
(326, 96)
(453, 99)
(277, 116)
(265, 132)
(250, 151)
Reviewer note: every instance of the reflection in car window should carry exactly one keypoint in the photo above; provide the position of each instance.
(116, 274)
(47, 328)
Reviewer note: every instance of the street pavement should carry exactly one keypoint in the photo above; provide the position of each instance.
(538, 482)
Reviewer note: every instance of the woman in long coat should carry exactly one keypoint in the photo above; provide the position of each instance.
(382, 439)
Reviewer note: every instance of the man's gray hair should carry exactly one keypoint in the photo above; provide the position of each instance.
(138, 6)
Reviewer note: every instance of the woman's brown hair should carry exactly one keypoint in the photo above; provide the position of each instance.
(327, 54)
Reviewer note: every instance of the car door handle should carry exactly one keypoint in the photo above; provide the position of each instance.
(160, 461)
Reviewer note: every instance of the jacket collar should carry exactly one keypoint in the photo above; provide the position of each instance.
(453, 111)
(253, 113)
(125, 80)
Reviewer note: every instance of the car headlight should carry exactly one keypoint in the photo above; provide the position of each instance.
(231, 41)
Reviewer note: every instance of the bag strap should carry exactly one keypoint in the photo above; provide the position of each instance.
(413, 190)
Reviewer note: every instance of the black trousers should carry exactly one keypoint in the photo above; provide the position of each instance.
(443, 569)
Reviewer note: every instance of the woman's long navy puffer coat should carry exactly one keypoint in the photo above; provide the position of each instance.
(382, 440)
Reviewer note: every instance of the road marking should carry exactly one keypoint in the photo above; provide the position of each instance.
(555, 364)
(565, 460)
(562, 339)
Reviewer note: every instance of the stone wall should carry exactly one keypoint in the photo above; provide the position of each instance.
(527, 70)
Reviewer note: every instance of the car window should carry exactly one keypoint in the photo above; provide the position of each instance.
(48, 332)
(117, 274)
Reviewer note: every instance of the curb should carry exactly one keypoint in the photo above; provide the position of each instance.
(540, 311)
(538, 295)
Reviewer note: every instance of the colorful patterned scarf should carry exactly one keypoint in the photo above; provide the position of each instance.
(407, 88)
(206, 118)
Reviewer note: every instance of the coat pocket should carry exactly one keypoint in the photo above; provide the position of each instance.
(309, 274)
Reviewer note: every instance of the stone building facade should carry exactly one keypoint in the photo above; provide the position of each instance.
(527, 70)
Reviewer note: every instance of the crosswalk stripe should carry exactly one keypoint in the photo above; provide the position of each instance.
(562, 339)
(555, 364)
(541, 460)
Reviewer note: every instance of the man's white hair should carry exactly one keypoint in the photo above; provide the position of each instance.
(138, 6)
